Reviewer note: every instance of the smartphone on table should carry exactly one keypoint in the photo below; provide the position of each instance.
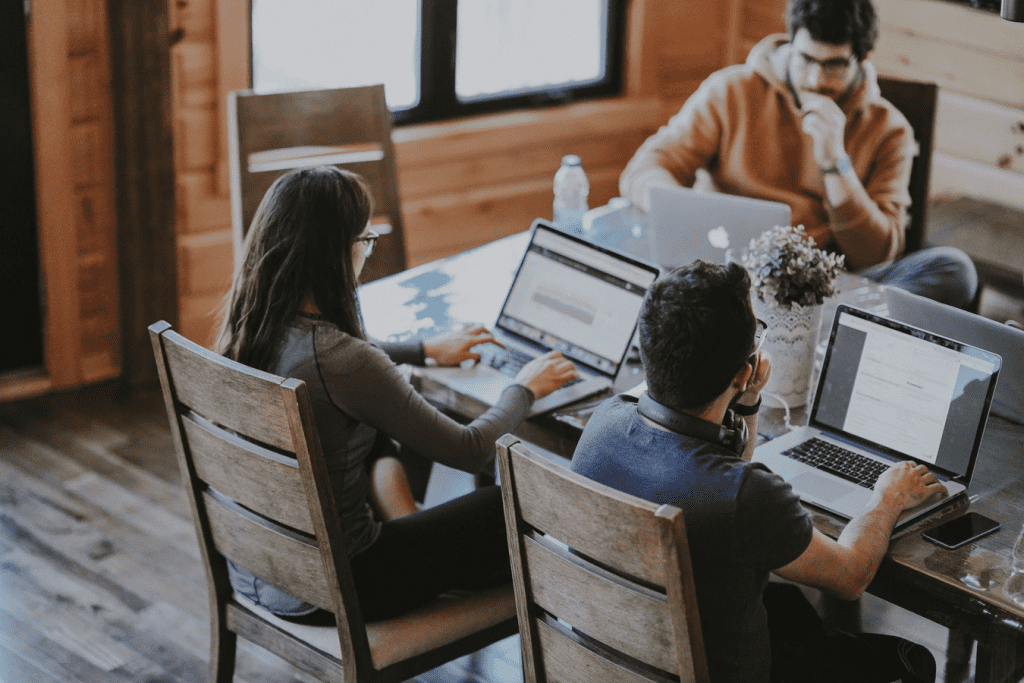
(962, 530)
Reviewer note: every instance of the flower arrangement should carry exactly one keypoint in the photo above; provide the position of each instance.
(787, 269)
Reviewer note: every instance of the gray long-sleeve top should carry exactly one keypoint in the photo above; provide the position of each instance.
(357, 391)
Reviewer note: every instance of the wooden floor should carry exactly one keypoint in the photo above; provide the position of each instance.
(100, 577)
(100, 573)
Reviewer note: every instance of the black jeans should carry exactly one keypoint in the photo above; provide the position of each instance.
(804, 652)
(457, 545)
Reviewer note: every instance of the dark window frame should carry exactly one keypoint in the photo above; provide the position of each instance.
(438, 101)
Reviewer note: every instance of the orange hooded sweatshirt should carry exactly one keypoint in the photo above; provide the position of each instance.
(744, 126)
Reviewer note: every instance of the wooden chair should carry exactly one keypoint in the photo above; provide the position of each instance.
(917, 101)
(256, 480)
(346, 127)
(620, 605)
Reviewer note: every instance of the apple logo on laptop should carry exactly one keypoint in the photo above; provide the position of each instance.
(719, 237)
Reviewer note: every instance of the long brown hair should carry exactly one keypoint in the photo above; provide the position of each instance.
(299, 245)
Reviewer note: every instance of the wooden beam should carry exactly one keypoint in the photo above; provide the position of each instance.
(144, 170)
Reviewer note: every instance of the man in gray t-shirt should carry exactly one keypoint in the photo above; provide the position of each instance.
(684, 442)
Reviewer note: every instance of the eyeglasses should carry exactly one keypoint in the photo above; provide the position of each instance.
(829, 67)
(759, 335)
(371, 241)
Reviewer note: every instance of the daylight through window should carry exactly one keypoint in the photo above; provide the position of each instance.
(441, 59)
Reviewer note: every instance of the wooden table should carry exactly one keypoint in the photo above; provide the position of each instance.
(972, 590)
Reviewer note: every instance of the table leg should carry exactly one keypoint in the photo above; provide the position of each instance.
(843, 615)
(999, 657)
(958, 655)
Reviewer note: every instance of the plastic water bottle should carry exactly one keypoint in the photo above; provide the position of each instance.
(571, 190)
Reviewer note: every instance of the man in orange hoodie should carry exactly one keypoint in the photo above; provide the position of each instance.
(803, 122)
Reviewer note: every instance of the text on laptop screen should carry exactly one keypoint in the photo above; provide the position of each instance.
(920, 397)
(566, 290)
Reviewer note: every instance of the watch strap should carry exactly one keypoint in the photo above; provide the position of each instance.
(746, 411)
(842, 166)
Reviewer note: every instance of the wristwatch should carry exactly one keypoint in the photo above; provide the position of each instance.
(746, 411)
(841, 166)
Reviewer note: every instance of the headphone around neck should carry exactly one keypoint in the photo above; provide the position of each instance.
(732, 435)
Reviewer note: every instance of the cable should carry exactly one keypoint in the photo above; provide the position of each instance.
(779, 399)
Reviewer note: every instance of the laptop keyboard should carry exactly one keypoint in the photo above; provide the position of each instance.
(510, 361)
(838, 461)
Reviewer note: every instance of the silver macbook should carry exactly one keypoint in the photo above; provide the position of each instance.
(972, 329)
(686, 225)
(887, 392)
(568, 294)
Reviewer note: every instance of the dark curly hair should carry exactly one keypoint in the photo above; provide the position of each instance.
(836, 22)
(696, 332)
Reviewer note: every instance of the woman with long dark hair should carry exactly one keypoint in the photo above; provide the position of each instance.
(293, 311)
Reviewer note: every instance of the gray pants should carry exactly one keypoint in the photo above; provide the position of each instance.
(944, 274)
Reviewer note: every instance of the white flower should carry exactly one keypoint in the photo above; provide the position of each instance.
(787, 269)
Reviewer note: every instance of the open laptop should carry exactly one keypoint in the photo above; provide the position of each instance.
(568, 294)
(685, 225)
(972, 329)
(887, 392)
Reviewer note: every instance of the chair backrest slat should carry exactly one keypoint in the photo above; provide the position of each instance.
(260, 181)
(583, 595)
(568, 659)
(287, 560)
(266, 482)
(610, 527)
(292, 119)
(248, 402)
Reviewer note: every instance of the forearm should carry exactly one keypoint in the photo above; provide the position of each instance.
(865, 233)
(410, 352)
(641, 174)
(864, 543)
(748, 451)
(672, 155)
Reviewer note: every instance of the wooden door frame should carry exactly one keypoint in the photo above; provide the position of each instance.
(144, 184)
(49, 78)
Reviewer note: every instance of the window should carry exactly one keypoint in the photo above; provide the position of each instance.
(440, 59)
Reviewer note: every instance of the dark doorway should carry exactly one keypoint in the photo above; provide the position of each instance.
(20, 300)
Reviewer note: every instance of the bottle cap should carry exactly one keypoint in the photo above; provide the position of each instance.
(570, 160)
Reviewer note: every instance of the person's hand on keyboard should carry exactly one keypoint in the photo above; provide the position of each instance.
(546, 373)
(456, 347)
(907, 484)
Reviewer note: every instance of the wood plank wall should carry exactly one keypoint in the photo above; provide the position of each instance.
(976, 58)
(462, 182)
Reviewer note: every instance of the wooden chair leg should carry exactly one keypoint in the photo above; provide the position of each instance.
(959, 646)
(223, 645)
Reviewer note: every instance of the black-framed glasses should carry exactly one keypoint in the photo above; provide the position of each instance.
(371, 241)
(760, 332)
(829, 67)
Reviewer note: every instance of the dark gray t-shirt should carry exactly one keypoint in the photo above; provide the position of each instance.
(742, 521)
(356, 391)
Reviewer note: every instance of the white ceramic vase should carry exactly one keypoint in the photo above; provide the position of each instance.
(790, 342)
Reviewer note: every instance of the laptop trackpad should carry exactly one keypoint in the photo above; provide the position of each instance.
(815, 486)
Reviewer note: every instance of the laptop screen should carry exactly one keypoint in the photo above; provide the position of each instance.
(904, 391)
(578, 298)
